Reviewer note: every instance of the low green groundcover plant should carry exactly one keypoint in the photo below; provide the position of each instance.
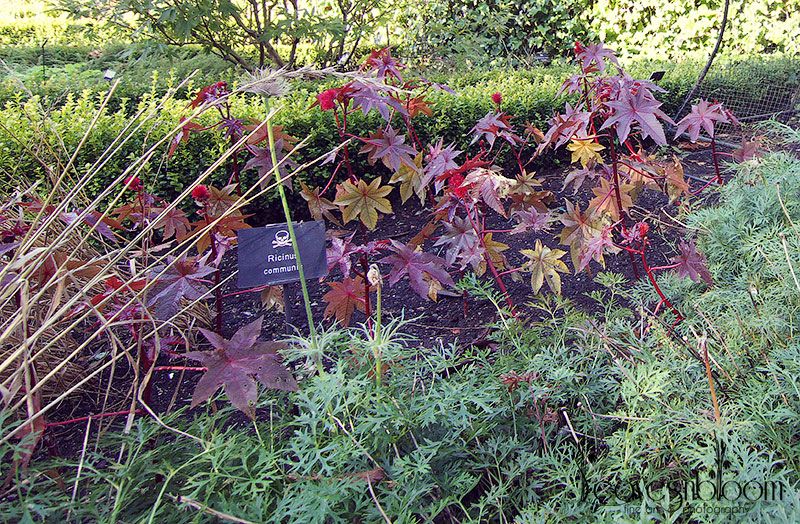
(591, 419)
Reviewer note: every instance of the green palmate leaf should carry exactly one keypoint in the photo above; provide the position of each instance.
(363, 201)
(545, 265)
(412, 180)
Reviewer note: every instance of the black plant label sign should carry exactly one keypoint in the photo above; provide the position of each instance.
(266, 256)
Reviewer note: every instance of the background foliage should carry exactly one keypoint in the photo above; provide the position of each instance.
(660, 28)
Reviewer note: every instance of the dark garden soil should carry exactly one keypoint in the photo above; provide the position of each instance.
(452, 319)
(447, 320)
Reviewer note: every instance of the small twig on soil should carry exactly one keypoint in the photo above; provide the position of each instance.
(207, 510)
(377, 503)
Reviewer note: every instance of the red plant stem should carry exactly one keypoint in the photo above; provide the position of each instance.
(235, 168)
(707, 184)
(365, 269)
(715, 159)
(659, 268)
(497, 278)
(497, 231)
(649, 271)
(331, 179)
(342, 128)
(630, 149)
(635, 170)
(623, 214)
(658, 289)
(519, 161)
(509, 271)
(251, 290)
(180, 368)
(217, 288)
(92, 417)
(410, 127)
(615, 172)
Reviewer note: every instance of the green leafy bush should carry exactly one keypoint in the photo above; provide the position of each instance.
(469, 32)
(656, 28)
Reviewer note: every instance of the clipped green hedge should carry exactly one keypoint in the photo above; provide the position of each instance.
(529, 95)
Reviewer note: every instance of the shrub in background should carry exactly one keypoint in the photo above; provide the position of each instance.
(656, 28)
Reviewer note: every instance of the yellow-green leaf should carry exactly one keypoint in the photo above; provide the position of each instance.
(545, 265)
(363, 201)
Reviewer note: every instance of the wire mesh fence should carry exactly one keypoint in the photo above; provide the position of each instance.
(754, 92)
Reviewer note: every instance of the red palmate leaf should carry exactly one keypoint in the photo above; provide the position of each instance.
(564, 126)
(174, 223)
(595, 248)
(691, 263)
(595, 55)
(183, 279)
(182, 135)
(459, 236)
(382, 62)
(261, 161)
(531, 220)
(641, 109)
(489, 186)
(237, 364)
(339, 254)
(493, 126)
(319, 206)
(369, 96)
(389, 147)
(749, 149)
(577, 177)
(440, 159)
(422, 269)
(344, 298)
(702, 116)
